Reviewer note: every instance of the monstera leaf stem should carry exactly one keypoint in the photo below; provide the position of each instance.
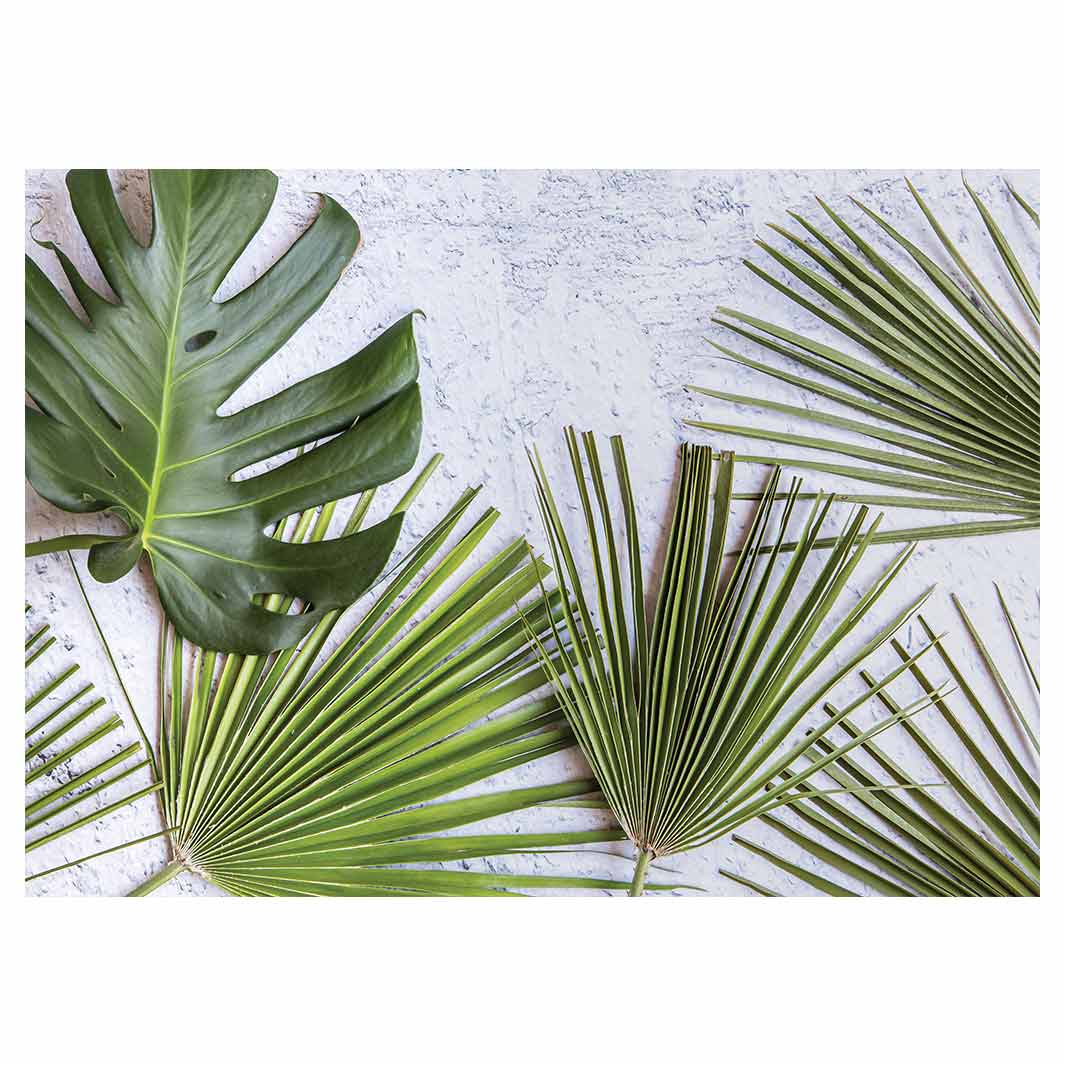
(76, 542)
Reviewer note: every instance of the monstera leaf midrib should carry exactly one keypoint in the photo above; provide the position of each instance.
(168, 373)
(128, 407)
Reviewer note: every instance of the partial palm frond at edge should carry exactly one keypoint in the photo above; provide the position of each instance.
(945, 388)
(910, 843)
(79, 769)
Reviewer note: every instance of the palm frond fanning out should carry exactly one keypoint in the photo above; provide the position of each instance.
(314, 773)
(946, 390)
(910, 843)
(76, 773)
(683, 722)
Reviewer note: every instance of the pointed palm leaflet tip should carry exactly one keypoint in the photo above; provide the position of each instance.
(128, 422)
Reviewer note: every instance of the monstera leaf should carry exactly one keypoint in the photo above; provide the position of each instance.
(128, 408)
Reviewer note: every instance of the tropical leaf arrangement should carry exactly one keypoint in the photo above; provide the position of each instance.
(909, 843)
(126, 416)
(307, 773)
(76, 774)
(945, 388)
(332, 721)
(683, 721)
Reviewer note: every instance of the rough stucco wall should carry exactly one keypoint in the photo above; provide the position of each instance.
(552, 298)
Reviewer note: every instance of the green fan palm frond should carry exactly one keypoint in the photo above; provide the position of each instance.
(683, 722)
(339, 773)
(945, 388)
(79, 769)
(917, 846)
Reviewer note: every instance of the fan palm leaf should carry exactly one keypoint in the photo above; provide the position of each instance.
(919, 847)
(315, 773)
(946, 390)
(683, 722)
(76, 772)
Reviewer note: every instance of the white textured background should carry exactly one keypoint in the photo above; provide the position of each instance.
(552, 298)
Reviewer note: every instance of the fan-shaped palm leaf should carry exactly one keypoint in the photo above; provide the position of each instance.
(682, 724)
(920, 847)
(315, 774)
(69, 785)
(950, 385)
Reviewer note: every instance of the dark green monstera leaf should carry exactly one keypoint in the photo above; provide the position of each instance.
(128, 407)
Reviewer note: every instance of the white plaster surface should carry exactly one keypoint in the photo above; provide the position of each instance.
(552, 298)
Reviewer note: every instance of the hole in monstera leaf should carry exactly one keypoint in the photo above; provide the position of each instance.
(261, 466)
(200, 340)
(282, 605)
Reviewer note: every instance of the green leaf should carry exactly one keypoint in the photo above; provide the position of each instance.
(1028, 209)
(354, 771)
(60, 725)
(684, 723)
(127, 407)
(823, 884)
(960, 376)
(927, 849)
